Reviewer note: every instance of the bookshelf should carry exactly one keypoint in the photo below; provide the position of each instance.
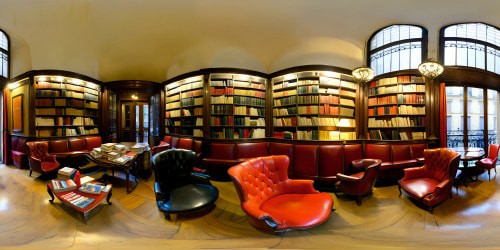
(396, 108)
(184, 107)
(309, 105)
(65, 106)
(237, 106)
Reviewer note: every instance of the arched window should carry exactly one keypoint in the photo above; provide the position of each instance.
(474, 45)
(4, 55)
(397, 47)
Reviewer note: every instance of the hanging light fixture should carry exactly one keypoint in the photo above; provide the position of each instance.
(363, 74)
(430, 69)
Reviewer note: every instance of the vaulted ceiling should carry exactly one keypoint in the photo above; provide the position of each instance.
(155, 40)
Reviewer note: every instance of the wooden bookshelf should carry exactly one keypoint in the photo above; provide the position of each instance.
(309, 105)
(237, 106)
(184, 107)
(396, 108)
(65, 106)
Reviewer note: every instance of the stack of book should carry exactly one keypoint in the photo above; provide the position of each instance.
(138, 148)
(96, 153)
(66, 173)
(63, 185)
(78, 200)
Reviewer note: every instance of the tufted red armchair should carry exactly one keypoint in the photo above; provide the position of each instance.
(39, 158)
(361, 183)
(275, 203)
(432, 183)
(490, 161)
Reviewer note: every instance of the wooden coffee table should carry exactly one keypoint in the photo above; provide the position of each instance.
(125, 167)
(88, 211)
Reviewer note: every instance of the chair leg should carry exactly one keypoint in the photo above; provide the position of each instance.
(167, 216)
(358, 200)
(489, 174)
(399, 188)
(31, 171)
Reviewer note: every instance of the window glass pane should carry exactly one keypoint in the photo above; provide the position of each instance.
(451, 31)
(416, 55)
(462, 53)
(455, 133)
(404, 33)
(480, 57)
(490, 59)
(471, 55)
(415, 32)
(471, 31)
(461, 30)
(481, 32)
(395, 62)
(450, 51)
(405, 57)
(4, 43)
(475, 117)
(387, 36)
(492, 116)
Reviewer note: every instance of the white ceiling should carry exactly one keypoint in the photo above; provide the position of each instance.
(155, 40)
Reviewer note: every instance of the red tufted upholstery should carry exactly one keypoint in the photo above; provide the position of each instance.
(361, 183)
(40, 160)
(431, 184)
(273, 201)
(490, 161)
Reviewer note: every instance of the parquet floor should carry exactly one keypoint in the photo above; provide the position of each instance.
(471, 219)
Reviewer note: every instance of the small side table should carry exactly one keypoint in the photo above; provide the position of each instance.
(86, 212)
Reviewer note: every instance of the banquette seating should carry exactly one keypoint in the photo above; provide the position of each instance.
(18, 152)
(68, 151)
(321, 163)
(275, 203)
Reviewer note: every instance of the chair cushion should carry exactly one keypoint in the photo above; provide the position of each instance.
(485, 163)
(48, 166)
(189, 198)
(299, 210)
(419, 188)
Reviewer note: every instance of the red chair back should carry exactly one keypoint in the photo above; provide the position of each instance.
(38, 149)
(493, 152)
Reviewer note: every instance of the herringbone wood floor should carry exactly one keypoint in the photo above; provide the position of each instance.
(471, 219)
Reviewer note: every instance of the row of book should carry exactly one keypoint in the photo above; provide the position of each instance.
(172, 105)
(251, 111)
(49, 102)
(193, 122)
(190, 112)
(173, 98)
(222, 121)
(189, 86)
(89, 88)
(377, 134)
(49, 132)
(397, 122)
(396, 80)
(330, 81)
(185, 102)
(289, 92)
(399, 99)
(285, 111)
(230, 133)
(410, 88)
(193, 93)
(397, 110)
(245, 100)
(247, 121)
(172, 113)
(285, 101)
(251, 85)
(63, 185)
(247, 92)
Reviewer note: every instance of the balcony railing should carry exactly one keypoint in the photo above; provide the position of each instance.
(455, 138)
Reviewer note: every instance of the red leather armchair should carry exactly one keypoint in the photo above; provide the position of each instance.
(275, 203)
(361, 183)
(39, 158)
(432, 183)
(490, 161)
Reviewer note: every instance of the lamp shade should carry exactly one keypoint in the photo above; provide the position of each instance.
(363, 74)
(430, 69)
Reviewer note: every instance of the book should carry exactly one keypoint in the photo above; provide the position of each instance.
(91, 188)
(63, 185)
(66, 173)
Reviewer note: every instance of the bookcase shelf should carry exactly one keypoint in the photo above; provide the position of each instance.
(65, 106)
(184, 107)
(308, 105)
(237, 106)
(396, 108)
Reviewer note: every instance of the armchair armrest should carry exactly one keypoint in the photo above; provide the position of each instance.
(413, 173)
(159, 195)
(302, 186)
(51, 158)
(254, 212)
(200, 177)
(344, 177)
(438, 189)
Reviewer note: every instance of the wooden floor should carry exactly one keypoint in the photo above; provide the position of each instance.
(471, 219)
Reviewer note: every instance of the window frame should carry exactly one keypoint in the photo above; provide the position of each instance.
(423, 40)
(472, 42)
(5, 51)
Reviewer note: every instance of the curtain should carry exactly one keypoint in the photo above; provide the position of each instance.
(442, 115)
